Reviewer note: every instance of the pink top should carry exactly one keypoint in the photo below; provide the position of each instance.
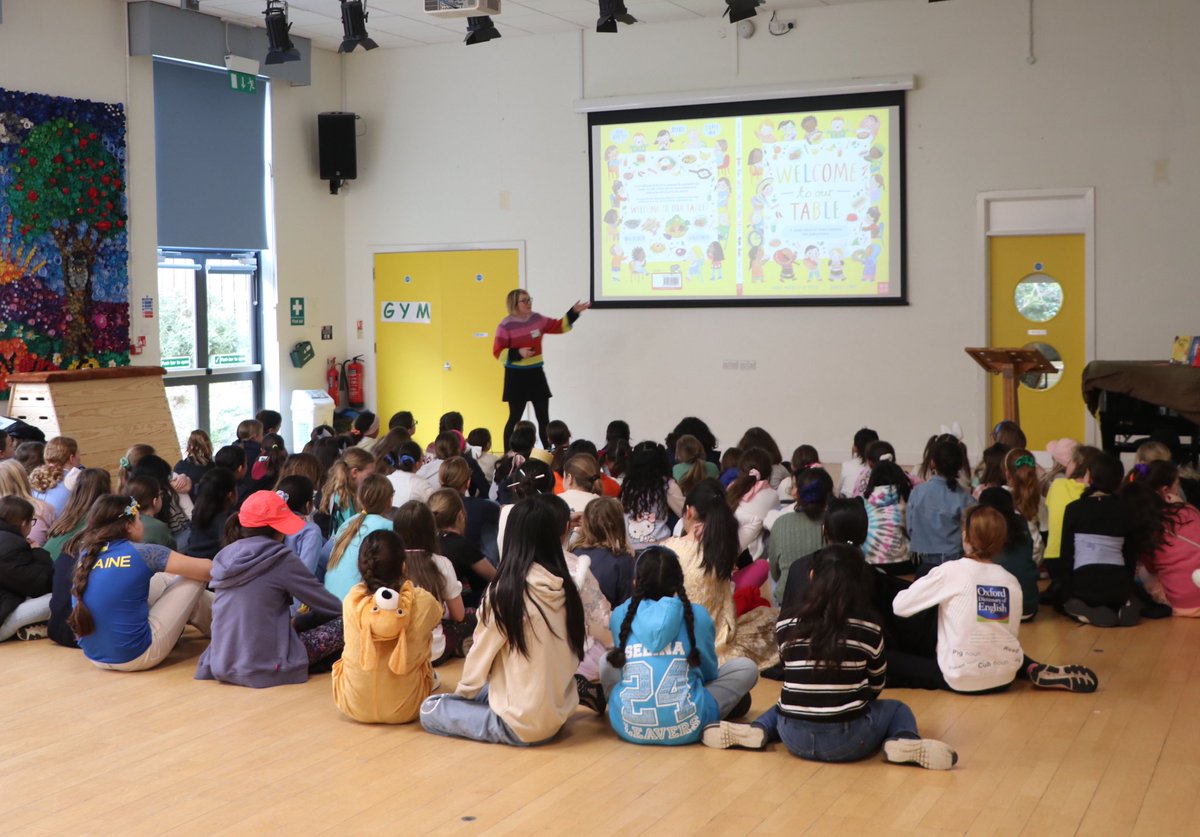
(1175, 560)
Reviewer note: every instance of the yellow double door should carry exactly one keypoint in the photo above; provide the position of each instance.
(1038, 300)
(435, 318)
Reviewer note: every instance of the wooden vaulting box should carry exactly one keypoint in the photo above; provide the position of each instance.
(104, 410)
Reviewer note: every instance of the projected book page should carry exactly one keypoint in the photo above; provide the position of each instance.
(775, 206)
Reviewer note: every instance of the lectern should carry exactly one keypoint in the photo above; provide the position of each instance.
(1011, 364)
(104, 410)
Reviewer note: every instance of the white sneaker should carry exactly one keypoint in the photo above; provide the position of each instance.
(727, 734)
(927, 752)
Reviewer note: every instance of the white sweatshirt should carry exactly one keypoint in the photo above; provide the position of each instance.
(979, 615)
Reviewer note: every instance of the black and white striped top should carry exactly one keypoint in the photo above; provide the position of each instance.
(831, 694)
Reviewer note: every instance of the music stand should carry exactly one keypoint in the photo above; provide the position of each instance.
(1011, 364)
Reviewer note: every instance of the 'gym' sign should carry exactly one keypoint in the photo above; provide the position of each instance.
(405, 312)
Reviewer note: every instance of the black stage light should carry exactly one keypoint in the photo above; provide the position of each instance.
(354, 27)
(480, 29)
(737, 10)
(612, 11)
(281, 47)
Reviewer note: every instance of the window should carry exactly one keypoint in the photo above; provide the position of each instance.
(211, 335)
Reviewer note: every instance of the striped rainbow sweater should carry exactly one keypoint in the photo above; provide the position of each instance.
(513, 335)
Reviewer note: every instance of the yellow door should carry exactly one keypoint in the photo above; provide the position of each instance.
(435, 318)
(1038, 301)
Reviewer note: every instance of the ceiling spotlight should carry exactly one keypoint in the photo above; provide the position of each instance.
(282, 49)
(354, 26)
(737, 10)
(612, 11)
(480, 29)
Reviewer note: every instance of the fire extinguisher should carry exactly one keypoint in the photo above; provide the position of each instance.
(331, 380)
(352, 373)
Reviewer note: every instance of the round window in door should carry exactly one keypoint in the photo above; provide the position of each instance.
(1038, 297)
(1044, 380)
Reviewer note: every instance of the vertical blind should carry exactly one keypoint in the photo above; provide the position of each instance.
(210, 159)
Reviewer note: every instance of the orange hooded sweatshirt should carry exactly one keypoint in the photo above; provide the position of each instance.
(385, 670)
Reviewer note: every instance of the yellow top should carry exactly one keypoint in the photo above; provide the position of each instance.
(1062, 493)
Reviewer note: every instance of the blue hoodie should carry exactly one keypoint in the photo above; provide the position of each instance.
(660, 698)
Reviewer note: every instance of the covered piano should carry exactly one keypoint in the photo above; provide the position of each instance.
(1137, 399)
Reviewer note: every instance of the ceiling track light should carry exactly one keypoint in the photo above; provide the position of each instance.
(281, 48)
(739, 10)
(480, 30)
(612, 12)
(354, 26)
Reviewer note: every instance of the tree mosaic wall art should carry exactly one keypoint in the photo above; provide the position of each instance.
(64, 241)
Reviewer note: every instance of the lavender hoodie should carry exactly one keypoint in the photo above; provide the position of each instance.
(253, 642)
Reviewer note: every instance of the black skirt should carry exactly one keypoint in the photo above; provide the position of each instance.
(525, 384)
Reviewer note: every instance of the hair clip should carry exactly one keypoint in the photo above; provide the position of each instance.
(283, 495)
(407, 460)
(132, 509)
(1023, 460)
(1142, 468)
(125, 463)
(754, 473)
(887, 457)
(811, 465)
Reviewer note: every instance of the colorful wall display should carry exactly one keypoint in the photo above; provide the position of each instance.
(64, 276)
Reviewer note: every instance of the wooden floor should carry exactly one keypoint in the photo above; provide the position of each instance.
(90, 751)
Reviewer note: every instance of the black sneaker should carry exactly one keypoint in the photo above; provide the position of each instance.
(1129, 614)
(1101, 617)
(740, 708)
(591, 695)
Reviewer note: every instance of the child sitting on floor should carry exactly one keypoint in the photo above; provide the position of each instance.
(664, 646)
(385, 671)
(518, 682)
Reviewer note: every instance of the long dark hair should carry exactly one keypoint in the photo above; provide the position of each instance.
(814, 487)
(381, 560)
(999, 499)
(753, 466)
(657, 575)
(846, 521)
(889, 473)
(109, 520)
(213, 496)
(1153, 518)
(719, 542)
(90, 484)
(533, 536)
(415, 525)
(757, 437)
(644, 490)
(948, 461)
(692, 426)
(1106, 472)
(840, 590)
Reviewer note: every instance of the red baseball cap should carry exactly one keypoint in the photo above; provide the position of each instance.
(266, 508)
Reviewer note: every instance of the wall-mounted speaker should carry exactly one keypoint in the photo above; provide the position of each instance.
(335, 141)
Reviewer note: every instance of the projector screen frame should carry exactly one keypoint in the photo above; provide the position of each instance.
(723, 109)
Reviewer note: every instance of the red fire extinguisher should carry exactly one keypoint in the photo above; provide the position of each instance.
(352, 373)
(331, 380)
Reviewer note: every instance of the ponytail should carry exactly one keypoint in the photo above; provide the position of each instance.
(108, 521)
(374, 497)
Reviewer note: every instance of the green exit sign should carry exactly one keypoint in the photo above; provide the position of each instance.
(243, 82)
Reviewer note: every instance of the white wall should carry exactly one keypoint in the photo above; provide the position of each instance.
(87, 59)
(1111, 103)
(309, 235)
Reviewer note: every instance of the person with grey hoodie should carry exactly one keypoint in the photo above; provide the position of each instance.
(254, 579)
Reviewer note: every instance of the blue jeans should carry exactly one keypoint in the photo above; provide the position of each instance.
(460, 717)
(851, 740)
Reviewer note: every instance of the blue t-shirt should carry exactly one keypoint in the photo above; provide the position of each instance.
(56, 496)
(340, 579)
(935, 515)
(660, 698)
(117, 592)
